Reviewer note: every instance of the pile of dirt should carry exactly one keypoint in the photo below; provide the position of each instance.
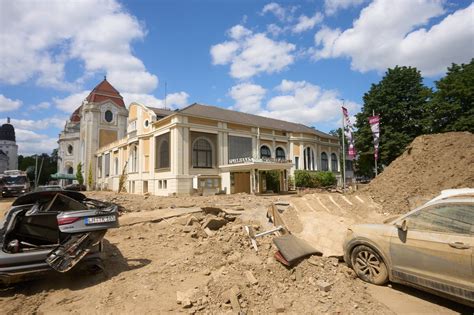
(430, 164)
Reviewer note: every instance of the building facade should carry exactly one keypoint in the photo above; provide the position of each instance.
(100, 119)
(8, 146)
(209, 149)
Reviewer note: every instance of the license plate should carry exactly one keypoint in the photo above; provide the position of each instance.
(103, 219)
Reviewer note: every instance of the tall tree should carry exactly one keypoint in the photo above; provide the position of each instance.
(400, 98)
(452, 106)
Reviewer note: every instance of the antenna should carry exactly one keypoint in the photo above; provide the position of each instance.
(166, 94)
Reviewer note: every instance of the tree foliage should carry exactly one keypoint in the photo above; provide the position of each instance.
(27, 163)
(79, 176)
(452, 106)
(400, 98)
(314, 179)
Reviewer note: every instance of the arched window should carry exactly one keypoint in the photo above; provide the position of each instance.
(202, 153)
(334, 164)
(280, 154)
(265, 152)
(309, 159)
(70, 170)
(164, 152)
(324, 162)
(134, 158)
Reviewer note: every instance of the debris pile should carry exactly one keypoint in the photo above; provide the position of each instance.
(430, 164)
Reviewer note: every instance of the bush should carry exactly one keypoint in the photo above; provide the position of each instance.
(314, 179)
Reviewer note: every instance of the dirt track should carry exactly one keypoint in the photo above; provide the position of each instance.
(147, 264)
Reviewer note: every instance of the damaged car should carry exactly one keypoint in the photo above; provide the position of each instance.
(53, 231)
(430, 248)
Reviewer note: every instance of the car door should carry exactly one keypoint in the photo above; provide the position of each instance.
(436, 250)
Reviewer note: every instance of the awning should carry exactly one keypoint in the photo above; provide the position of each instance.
(259, 164)
(63, 176)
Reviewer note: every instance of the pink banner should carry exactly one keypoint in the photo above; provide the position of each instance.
(349, 134)
(374, 122)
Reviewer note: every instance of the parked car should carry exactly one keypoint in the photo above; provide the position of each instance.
(48, 187)
(76, 187)
(431, 247)
(53, 231)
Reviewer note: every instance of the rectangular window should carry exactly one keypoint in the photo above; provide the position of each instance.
(162, 151)
(165, 184)
(107, 165)
(297, 160)
(99, 166)
(239, 147)
(348, 165)
(160, 184)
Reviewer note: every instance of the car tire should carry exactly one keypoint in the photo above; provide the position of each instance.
(368, 265)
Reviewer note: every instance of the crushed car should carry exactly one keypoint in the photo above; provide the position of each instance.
(53, 231)
(430, 248)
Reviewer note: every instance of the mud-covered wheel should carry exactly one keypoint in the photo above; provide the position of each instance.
(368, 265)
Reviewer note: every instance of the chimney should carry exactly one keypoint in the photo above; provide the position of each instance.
(8, 120)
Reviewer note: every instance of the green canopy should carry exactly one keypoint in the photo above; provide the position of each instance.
(63, 176)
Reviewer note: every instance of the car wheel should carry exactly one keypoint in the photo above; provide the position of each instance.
(368, 265)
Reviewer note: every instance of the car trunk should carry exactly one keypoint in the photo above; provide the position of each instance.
(66, 223)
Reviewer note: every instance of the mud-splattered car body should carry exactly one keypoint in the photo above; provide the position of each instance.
(431, 248)
(53, 231)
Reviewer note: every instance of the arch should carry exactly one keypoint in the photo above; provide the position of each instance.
(70, 169)
(280, 154)
(324, 161)
(134, 159)
(334, 162)
(265, 152)
(308, 156)
(202, 153)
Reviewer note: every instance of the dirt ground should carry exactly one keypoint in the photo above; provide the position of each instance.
(430, 164)
(173, 266)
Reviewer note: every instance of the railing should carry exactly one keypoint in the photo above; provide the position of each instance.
(258, 160)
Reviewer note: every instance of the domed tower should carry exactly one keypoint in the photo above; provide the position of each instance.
(98, 121)
(8, 144)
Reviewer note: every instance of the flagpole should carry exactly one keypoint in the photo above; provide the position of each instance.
(343, 153)
(375, 157)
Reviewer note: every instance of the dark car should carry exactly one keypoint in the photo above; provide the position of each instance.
(53, 231)
(75, 187)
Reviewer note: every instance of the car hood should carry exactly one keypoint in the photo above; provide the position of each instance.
(368, 230)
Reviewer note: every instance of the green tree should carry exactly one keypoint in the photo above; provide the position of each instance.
(79, 176)
(400, 98)
(27, 163)
(90, 179)
(452, 106)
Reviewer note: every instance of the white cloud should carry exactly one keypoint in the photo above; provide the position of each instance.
(306, 103)
(239, 31)
(39, 38)
(7, 104)
(253, 54)
(173, 100)
(70, 103)
(30, 142)
(41, 106)
(276, 9)
(248, 97)
(274, 29)
(388, 34)
(332, 6)
(39, 124)
(306, 23)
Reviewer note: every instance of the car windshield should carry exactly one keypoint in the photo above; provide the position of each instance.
(14, 180)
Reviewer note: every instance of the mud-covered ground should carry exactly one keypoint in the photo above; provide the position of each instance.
(174, 266)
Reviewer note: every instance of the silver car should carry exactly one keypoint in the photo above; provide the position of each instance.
(52, 231)
(430, 248)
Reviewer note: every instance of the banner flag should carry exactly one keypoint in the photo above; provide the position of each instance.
(374, 122)
(349, 133)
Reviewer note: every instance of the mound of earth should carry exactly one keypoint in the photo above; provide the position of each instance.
(430, 164)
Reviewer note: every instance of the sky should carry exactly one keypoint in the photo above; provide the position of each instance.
(292, 60)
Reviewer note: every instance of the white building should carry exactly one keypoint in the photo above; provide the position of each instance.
(100, 120)
(8, 145)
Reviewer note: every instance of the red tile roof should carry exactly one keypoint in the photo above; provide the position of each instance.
(105, 91)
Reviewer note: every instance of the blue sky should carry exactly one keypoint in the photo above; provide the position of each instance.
(294, 60)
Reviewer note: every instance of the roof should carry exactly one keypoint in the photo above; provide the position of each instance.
(76, 115)
(219, 113)
(7, 132)
(161, 111)
(105, 91)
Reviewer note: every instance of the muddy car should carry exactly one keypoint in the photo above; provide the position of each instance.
(430, 248)
(53, 231)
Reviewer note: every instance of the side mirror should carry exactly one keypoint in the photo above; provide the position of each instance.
(402, 225)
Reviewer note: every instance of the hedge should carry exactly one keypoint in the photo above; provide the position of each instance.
(314, 179)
